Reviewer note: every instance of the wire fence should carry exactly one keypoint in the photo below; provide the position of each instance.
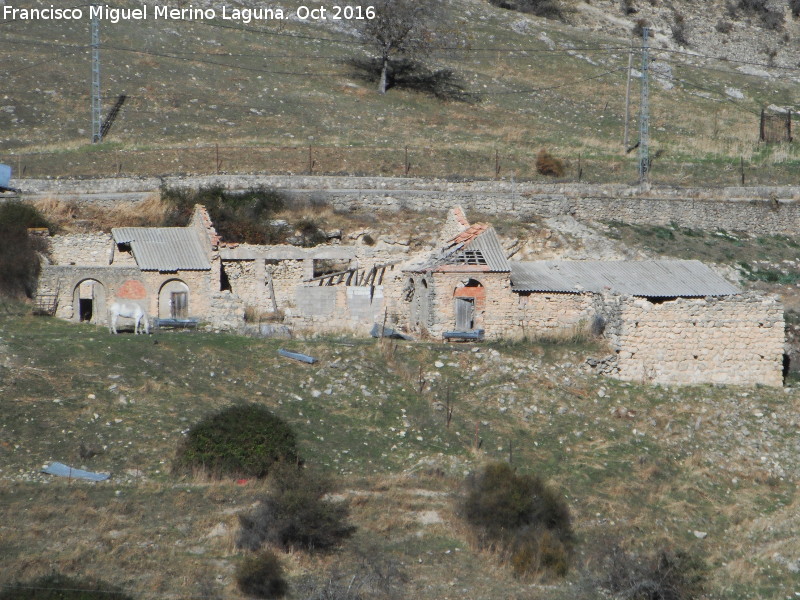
(406, 161)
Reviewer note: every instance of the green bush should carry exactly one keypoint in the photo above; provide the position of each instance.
(520, 516)
(240, 441)
(19, 252)
(261, 576)
(61, 587)
(238, 216)
(296, 515)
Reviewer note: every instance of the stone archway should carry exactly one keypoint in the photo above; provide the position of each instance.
(173, 300)
(89, 301)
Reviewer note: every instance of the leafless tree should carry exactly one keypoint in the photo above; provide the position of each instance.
(401, 28)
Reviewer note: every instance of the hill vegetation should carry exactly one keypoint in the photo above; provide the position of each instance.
(705, 470)
(301, 96)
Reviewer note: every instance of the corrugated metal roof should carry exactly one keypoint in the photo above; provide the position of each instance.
(489, 245)
(164, 248)
(650, 278)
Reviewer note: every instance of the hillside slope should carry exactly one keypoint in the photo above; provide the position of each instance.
(282, 96)
(709, 470)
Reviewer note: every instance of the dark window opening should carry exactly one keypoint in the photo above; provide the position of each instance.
(326, 266)
(85, 309)
(224, 282)
(661, 299)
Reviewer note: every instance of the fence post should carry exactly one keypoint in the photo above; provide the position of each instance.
(497, 164)
(310, 160)
(741, 166)
(407, 165)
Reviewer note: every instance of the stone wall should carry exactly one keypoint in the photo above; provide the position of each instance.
(732, 340)
(82, 249)
(225, 312)
(532, 315)
(120, 283)
(762, 210)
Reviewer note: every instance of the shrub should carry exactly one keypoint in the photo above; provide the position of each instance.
(237, 216)
(547, 164)
(679, 30)
(794, 6)
(628, 7)
(240, 441)
(723, 26)
(520, 516)
(549, 9)
(773, 20)
(664, 575)
(61, 587)
(261, 576)
(296, 515)
(310, 233)
(639, 25)
(19, 252)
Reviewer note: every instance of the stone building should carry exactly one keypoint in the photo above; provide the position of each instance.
(666, 321)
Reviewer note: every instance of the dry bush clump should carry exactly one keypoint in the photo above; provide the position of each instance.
(520, 517)
(261, 576)
(547, 164)
(663, 575)
(58, 212)
(296, 515)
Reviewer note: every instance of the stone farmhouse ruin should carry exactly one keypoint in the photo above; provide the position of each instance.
(666, 321)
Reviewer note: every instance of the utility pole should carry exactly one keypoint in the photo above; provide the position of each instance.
(625, 138)
(97, 134)
(644, 114)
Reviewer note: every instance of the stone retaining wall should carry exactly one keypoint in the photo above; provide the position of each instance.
(761, 210)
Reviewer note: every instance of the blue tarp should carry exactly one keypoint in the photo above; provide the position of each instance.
(5, 176)
(63, 470)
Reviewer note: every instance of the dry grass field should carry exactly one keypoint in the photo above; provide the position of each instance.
(283, 98)
(709, 470)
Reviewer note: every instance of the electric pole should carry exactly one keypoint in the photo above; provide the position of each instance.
(625, 139)
(97, 135)
(644, 112)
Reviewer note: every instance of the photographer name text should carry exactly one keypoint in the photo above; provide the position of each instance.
(165, 12)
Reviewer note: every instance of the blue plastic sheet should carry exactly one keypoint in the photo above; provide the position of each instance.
(62, 470)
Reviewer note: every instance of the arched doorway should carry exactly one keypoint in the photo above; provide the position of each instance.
(469, 303)
(173, 300)
(89, 301)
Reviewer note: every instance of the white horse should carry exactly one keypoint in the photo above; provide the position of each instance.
(129, 310)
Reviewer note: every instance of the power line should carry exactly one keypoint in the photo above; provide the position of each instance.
(553, 87)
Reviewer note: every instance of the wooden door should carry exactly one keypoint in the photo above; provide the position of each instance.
(465, 314)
